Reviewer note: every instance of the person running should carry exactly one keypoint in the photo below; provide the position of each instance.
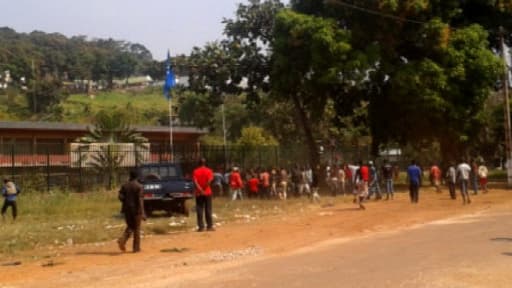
(10, 192)
(435, 177)
(463, 174)
(387, 174)
(482, 176)
(414, 177)
(451, 180)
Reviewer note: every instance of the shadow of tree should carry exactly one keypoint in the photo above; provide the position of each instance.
(502, 239)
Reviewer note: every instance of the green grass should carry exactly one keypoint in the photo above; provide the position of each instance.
(59, 219)
(144, 106)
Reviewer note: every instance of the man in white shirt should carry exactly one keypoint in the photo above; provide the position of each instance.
(463, 171)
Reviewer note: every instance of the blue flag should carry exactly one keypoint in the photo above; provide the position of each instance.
(170, 79)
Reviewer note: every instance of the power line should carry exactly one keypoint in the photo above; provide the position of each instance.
(378, 13)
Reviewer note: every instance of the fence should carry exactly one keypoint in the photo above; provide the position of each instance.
(83, 169)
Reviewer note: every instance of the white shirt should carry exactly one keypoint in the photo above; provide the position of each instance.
(463, 171)
(482, 171)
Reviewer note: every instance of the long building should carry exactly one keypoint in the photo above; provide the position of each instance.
(55, 138)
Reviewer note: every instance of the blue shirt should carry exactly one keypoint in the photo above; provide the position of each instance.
(414, 174)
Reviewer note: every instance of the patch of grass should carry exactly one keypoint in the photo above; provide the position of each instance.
(47, 221)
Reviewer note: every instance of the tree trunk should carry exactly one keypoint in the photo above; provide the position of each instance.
(308, 132)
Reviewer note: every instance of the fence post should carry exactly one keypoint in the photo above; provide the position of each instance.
(80, 168)
(12, 162)
(47, 170)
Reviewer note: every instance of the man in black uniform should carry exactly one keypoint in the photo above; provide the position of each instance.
(131, 196)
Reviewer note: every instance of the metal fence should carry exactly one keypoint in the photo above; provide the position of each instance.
(85, 169)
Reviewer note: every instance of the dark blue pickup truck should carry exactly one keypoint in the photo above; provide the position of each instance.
(165, 188)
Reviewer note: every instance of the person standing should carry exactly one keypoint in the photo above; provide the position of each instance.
(283, 184)
(482, 176)
(253, 185)
(265, 183)
(236, 184)
(451, 179)
(374, 187)
(203, 177)
(217, 183)
(414, 177)
(463, 174)
(10, 192)
(132, 198)
(387, 174)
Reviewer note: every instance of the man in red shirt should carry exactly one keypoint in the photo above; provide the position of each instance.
(253, 184)
(203, 177)
(236, 184)
(362, 178)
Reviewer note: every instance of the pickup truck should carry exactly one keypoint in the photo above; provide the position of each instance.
(165, 188)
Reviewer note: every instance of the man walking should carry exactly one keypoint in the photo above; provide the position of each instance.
(451, 179)
(414, 176)
(131, 196)
(203, 177)
(10, 192)
(463, 174)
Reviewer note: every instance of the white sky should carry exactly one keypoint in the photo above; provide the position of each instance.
(159, 25)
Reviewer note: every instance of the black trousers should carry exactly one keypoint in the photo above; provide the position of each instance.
(6, 205)
(204, 206)
(132, 227)
(451, 187)
(414, 192)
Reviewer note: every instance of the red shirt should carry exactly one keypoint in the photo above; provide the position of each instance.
(364, 173)
(235, 181)
(203, 176)
(265, 179)
(436, 172)
(253, 185)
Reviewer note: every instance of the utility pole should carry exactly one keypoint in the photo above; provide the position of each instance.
(508, 136)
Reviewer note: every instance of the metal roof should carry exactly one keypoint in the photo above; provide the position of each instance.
(57, 126)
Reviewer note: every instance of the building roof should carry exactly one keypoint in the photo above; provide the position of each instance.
(57, 126)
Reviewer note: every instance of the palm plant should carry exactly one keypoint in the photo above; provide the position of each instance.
(110, 135)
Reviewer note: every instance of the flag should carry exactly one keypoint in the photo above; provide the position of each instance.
(170, 79)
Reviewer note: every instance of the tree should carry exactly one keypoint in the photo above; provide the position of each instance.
(312, 62)
(429, 81)
(44, 94)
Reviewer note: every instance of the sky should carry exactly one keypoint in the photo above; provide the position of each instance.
(177, 25)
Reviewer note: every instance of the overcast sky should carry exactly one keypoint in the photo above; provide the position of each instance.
(159, 25)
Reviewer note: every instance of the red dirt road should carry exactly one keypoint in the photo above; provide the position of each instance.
(207, 259)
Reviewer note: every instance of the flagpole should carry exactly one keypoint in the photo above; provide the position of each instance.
(171, 130)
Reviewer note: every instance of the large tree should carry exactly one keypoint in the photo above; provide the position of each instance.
(434, 69)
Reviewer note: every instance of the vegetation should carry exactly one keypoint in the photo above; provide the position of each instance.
(408, 73)
(59, 219)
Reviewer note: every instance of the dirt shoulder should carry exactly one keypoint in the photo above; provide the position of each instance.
(184, 254)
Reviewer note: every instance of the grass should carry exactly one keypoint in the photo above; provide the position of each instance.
(49, 221)
(145, 106)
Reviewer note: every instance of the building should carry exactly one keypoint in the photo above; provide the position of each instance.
(43, 138)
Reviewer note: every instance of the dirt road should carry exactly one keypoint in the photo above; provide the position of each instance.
(437, 243)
